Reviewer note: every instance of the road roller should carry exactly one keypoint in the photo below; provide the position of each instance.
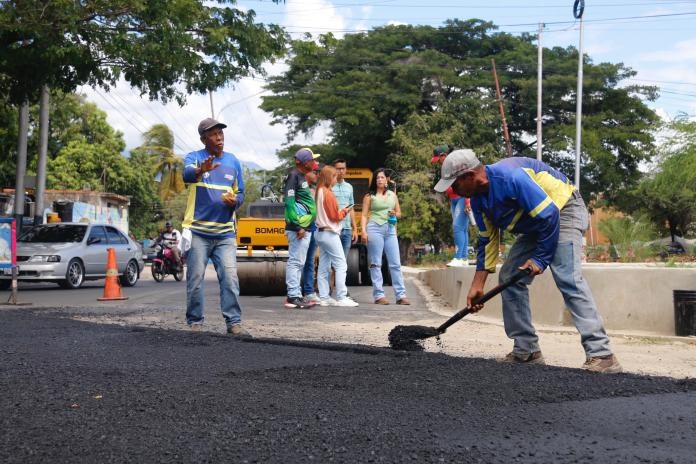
(262, 247)
(262, 252)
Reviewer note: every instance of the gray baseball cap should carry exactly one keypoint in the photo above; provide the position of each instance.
(457, 163)
(209, 123)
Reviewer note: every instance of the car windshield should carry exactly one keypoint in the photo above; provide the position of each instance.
(54, 234)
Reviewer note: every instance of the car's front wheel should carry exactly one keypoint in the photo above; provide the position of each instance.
(130, 275)
(5, 284)
(74, 276)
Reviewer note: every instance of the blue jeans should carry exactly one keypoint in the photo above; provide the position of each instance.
(383, 239)
(308, 270)
(222, 252)
(346, 240)
(331, 254)
(567, 274)
(460, 225)
(297, 251)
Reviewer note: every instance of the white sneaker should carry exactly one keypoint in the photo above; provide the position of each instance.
(346, 302)
(457, 262)
(312, 297)
(328, 302)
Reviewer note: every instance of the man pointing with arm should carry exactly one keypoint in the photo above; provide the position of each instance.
(531, 199)
(216, 191)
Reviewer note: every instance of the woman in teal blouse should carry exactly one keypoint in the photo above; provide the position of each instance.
(380, 212)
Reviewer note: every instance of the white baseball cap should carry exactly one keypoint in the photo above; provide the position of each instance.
(457, 163)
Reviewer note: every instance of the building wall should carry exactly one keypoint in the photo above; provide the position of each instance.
(593, 235)
(90, 206)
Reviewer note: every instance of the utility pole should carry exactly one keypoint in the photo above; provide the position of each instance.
(506, 135)
(21, 164)
(212, 110)
(43, 149)
(539, 77)
(578, 10)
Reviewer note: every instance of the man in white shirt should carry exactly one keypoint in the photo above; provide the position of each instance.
(344, 196)
(172, 238)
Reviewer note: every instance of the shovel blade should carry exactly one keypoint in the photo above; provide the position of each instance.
(405, 337)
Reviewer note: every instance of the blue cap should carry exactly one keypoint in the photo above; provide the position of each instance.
(305, 154)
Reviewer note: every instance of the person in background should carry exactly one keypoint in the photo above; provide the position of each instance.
(344, 196)
(215, 192)
(308, 289)
(380, 213)
(329, 226)
(172, 239)
(460, 208)
(300, 211)
(538, 203)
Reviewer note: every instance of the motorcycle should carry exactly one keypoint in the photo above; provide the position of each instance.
(165, 264)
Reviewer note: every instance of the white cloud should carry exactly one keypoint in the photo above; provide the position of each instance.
(682, 52)
(314, 16)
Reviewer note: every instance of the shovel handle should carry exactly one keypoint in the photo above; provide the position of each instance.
(485, 297)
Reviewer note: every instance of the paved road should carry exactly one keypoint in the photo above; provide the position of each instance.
(76, 391)
(168, 300)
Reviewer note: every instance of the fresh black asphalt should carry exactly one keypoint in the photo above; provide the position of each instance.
(83, 392)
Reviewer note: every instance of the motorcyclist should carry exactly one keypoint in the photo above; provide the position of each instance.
(171, 238)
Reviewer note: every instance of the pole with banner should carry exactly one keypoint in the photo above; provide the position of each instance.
(8, 256)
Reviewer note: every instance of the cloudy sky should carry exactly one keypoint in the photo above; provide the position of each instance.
(657, 38)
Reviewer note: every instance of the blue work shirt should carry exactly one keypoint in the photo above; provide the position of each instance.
(206, 213)
(344, 197)
(525, 196)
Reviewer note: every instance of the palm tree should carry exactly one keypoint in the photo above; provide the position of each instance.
(159, 142)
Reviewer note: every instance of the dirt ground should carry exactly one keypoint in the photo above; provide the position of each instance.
(473, 336)
(478, 336)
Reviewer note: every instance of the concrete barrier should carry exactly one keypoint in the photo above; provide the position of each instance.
(630, 297)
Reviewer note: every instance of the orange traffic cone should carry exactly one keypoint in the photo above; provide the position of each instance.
(112, 289)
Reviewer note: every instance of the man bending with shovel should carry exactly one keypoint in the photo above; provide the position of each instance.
(529, 198)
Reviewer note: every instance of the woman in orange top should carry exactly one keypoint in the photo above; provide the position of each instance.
(328, 236)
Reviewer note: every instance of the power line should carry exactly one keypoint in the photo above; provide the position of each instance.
(176, 121)
(402, 5)
(157, 117)
(253, 120)
(449, 29)
(661, 82)
(115, 107)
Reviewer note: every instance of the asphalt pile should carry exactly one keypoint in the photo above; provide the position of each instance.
(82, 392)
(408, 337)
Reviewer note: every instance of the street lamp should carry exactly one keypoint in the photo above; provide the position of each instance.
(578, 10)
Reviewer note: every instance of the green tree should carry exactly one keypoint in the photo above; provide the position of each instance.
(98, 166)
(426, 214)
(617, 127)
(146, 208)
(628, 235)
(8, 143)
(157, 160)
(165, 49)
(669, 196)
(367, 85)
(158, 142)
(92, 156)
(71, 119)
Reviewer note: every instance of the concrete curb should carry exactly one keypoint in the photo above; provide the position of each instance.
(438, 304)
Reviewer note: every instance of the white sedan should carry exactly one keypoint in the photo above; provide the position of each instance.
(70, 253)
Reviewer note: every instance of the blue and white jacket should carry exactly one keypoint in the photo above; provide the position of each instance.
(206, 213)
(525, 196)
